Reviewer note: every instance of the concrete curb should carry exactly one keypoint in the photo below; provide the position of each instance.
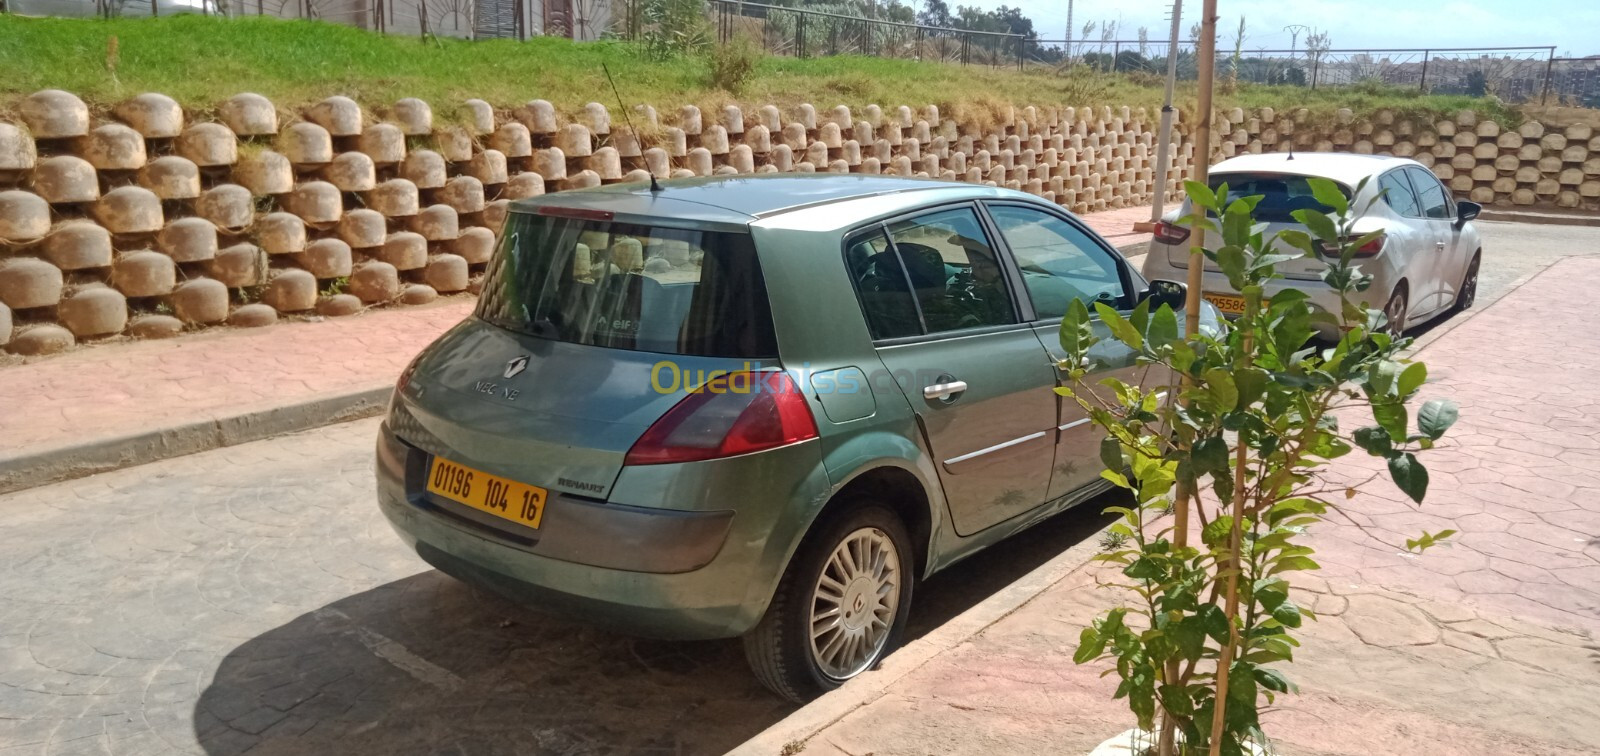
(37, 468)
(789, 735)
(1547, 219)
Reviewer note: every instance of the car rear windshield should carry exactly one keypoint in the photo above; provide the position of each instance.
(626, 286)
(1281, 193)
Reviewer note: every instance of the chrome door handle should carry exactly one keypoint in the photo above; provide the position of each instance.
(943, 390)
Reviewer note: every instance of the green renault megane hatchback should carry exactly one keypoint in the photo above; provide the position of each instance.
(753, 406)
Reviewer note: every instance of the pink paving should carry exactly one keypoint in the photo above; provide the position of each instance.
(1519, 474)
(113, 390)
(1487, 645)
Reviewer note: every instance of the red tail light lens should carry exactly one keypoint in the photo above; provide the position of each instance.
(1170, 233)
(736, 413)
(1370, 249)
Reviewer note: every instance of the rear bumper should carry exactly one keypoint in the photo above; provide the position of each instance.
(1318, 294)
(650, 572)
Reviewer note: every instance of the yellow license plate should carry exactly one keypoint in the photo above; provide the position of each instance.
(518, 502)
(1228, 304)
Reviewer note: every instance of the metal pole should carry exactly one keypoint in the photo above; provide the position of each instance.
(1423, 85)
(1164, 146)
(1549, 69)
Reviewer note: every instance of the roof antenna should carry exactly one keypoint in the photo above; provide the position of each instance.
(654, 186)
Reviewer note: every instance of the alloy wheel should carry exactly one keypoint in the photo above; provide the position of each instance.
(854, 603)
(1395, 312)
(1469, 288)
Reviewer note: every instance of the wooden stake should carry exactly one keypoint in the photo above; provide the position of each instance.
(1219, 707)
(1201, 173)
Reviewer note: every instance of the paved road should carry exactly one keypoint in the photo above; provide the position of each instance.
(252, 598)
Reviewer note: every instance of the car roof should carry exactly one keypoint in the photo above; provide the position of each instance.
(732, 200)
(1343, 167)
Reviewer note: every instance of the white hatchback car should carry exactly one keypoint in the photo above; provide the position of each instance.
(1424, 265)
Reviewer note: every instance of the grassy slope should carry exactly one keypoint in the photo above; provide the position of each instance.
(200, 61)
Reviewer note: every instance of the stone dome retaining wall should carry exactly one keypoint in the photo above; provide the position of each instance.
(149, 222)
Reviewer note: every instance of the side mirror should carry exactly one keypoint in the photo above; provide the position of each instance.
(1169, 293)
(1466, 211)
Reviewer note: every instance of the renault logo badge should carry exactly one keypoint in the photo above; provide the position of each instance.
(516, 366)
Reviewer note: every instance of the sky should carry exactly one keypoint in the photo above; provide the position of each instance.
(1570, 25)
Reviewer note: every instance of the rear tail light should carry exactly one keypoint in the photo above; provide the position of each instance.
(735, 413)
(1170, 233)
(1370, 249)
(400, 384)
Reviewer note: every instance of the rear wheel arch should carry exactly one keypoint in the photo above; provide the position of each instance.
(896, 488)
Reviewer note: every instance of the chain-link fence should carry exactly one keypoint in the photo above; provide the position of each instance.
(1575, 81)
(473, 19)
(807, 32)
(1515, 74)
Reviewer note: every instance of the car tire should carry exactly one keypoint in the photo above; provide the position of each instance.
(1468, 293)
(1396, 311)
(869, 606)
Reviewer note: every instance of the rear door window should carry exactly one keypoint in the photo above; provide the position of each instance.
(882, 286)
(1058, 261)
(952, 268)
(1398, 195)
(1431, 196)
(629, 286)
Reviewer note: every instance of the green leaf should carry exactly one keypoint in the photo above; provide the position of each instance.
(1140, 317)
(1217, 531)
(1320, 225)
(1117, 478)
(1077, 333)
(1215, 622)
(1302, 241)
(1409, 475)
(1145, 568)
(1090, 644)
(1237, 225)
(1287, 614)
(1231, 259)
(1163, 327)
(1200, 194)
(1427, 540)
(1119, 326)
(1189, 635)
(1375, 440)
(1393, 416)
(1111, 453)
(1208, 455)
(1273, 680)
(1328, 194)
(1436, 417)
(1221, 387)
(1252, 383)
(1287, 564)
(1412, 378)
(1383, 377)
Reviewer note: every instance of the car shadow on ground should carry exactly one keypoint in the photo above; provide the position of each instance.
(429, 665)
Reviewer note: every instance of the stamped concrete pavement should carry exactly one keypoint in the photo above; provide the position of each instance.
(1485, 646)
